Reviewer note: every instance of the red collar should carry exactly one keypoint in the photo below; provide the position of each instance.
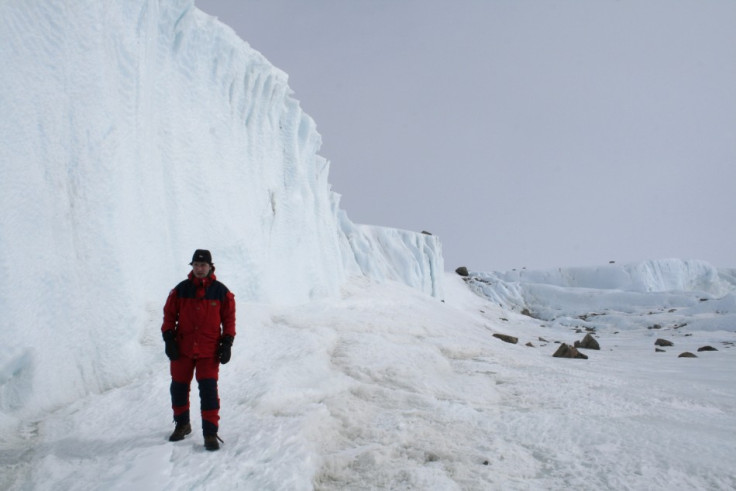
(205, 282)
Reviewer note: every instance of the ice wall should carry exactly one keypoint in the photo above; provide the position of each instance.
(133, 132)
(660, 275)
(648, 285)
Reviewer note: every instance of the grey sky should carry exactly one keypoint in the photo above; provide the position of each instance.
(524, 133)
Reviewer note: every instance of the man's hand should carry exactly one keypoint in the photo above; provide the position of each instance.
(224, 351)
(172, 348)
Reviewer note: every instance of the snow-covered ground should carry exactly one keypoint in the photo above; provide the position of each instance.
(388, 388)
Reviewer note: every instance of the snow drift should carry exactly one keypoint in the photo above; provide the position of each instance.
(134, 132)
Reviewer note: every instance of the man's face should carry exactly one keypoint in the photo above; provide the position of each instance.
(200, 269)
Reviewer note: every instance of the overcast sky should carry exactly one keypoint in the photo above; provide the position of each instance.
(527, 133)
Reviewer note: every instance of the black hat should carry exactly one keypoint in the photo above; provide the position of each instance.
(202, 256)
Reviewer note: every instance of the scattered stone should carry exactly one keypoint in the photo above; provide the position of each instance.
(506, 337)
(567, 351)
(485, 462)
(426, 233)
(431, 457)
(707, 348)
(529, 344)
(663, 342)
(588, 342)
(526, 312)
(655, 326)
(659, 350)
(462, 271)
(542, 340)
(687, 354)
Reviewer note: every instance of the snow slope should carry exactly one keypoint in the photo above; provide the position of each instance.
(388, 388)
(134, 132)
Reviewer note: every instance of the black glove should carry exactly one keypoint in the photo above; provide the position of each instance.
(172, 349)
(224, 351)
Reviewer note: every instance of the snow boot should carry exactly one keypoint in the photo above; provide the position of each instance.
(211, 442)
(181, 430)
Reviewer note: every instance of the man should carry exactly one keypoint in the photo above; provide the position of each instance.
(198, 329)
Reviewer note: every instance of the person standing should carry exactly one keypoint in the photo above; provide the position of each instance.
(198, 330)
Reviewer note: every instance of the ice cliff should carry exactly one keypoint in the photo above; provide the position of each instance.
(133, 132)
(656, 285)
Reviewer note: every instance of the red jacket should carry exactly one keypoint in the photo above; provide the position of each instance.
(195, 309)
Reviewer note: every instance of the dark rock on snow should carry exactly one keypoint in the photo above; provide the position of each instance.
(567, 351)
(707, 348)
(506, 337)
(462, 271)
(663, 342)
(687, 354)
(588, 342)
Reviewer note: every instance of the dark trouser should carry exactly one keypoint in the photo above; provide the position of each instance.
(182, 371)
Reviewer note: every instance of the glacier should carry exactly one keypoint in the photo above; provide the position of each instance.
(134, 132)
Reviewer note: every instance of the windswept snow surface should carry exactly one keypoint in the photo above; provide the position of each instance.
(389, 388)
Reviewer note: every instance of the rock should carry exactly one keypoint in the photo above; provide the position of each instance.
(506, 337)
(567, 351)
(462, 271)
(659, 350)
(687, 354)
(529, 344)
(588, 342)
(663, 342)
(707, 348)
